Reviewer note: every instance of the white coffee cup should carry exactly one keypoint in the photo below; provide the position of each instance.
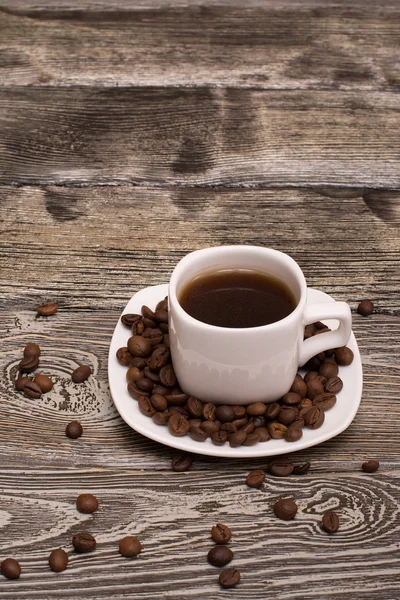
(239, 366)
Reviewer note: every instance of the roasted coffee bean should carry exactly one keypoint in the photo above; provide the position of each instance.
(74, 430)
(370, 466)
(210, 427)
(161, 418)
(305, 403)
(145, 406)
(138, 328)
(251, 439)
(285, 509)
(83, 542)
(149, 374)
(164, 329)
(294, 433)
(276, 430)
(139, 346)
(248, 428)
(31, 350)
(179, 410)
(160, 390)
(177, 399)
(239, 423)
(58, 560)
(334, 385)
(32, 390)
(272, 410)
(161, 316)
(344, 356)
(158, 402)
(236, 439)
(280, 468)
(182, 462)
(144, 384)
(328, 370)
(228, 427)
(20, 383)
(195, 407)
(167, 376)
(163, 304)
(291, 398)
(197, 433)
(262, 433)
(221, 534)
(310, 375)
(154, 335)
(219, 437)
(27, 365)
(133, 374)
(258, 421)
(299, 386)
(255, 478)
(81, 374)
(314, 417)
(87, 503)
(219, 556)
(48, 309)
(147, 312)
(130, 546)
(124, 357)
(228, 578)
(194, 422)
(159, 358)
(225, 413)
(10, 568)
(44, 382)
(240, 411)
(130, 318)
(365, 308)
(301, 469)
(315, 387)
(178, 425)
(134, 391)
(325, 401)
(313, 364)
(209, 411)
(256, 409)
(149, 323)
(330, 522)
(138, 362)
(287, 415)
(321, 356)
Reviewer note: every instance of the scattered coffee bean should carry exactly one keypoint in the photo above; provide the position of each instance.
(10, 568)
(225, 413)
(256, 409)
(178, 425)
(294, 433)
(87, 503)
(83, 542)
(139, 346)
(219, 556)
(365, 308)
(334, 385)
(276, 430)
(130, 546)
(314, 417)
(31, 350)
(239, 423)
(58, 560)
(285, 509)
(74, 430)
(228, 578)
(330, 522)
(46, 310)
(370, 466)
(344, 356)
(124, 357)
(221, 534)
(29, 364)
(255, 478)
(219, 438)
(280, 468)
(81, 374)
(21, 382)
(44, 382)
(182, 462)
(291, 398)
(32, 390)
(301, 469)
(129, 319)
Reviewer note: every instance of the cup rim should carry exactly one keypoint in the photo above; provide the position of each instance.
(183, 315)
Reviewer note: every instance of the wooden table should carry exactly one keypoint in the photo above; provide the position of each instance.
(130, 134)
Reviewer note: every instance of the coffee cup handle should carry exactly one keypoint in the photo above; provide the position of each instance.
(331, 339)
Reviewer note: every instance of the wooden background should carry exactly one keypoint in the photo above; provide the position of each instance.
(130, 134)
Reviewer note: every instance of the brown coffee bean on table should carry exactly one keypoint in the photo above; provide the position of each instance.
(330, 522)
(280, 468)
(182, 462)
(10, 568)
(130, 546)
(158, 402)
(83, 542)
(159, 358)
(221, 534)
(160, 316)
(31, 350)
(144, 384)
(195, 407)
(255, 478)
(285, 509)
(365, 308)
(219, 556)
(154, 335)
(44, 382)
(48, 309)
(228, 427)
(305, 403)
(32, 390)
(81, 374)
(370, 466)
(239, 411)
(58, 560)
(139, 362)
(301, 469)
(229, 578)
(74, 430)
(29, 364)
(134, 391)
(87, 503)
(344, 356)
(20, 383)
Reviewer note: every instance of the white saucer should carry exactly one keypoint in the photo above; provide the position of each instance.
(337, 419)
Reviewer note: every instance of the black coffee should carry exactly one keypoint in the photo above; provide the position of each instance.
(237, 298)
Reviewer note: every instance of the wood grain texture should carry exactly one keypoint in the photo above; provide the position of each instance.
(266, 45)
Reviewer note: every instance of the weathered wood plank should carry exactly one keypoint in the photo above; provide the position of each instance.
(199, 137)
(287, 45)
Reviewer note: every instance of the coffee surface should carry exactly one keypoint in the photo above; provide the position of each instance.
(237, 298)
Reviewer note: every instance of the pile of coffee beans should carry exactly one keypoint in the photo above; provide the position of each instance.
(220, 555)
(151, 381)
